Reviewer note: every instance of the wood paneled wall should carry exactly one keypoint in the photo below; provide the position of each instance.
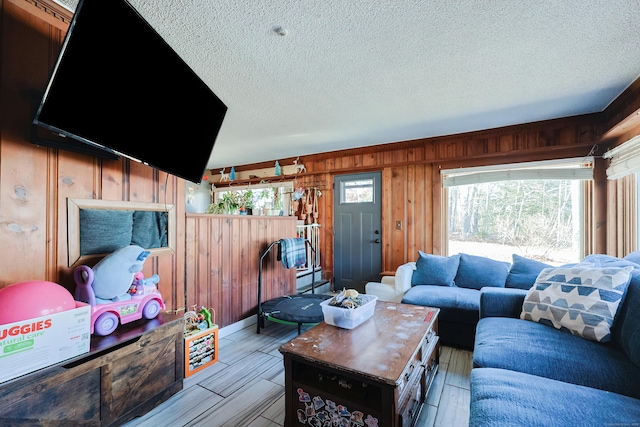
(411, 188)
(35, 182)
(223, 259)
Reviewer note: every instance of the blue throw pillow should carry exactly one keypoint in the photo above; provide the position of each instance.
(435, 270)
(476, 272)
(524, 272)
(633, 257)
(582, 299)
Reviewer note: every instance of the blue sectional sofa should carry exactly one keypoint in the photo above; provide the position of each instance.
(453, 285)
(542, 360)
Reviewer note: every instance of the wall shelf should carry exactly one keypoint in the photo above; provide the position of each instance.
(260, 180)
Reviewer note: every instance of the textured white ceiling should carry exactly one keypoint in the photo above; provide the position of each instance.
(357, 73)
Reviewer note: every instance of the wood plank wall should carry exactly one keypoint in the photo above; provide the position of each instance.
(411, 188)
(223, 259)
(35, 182)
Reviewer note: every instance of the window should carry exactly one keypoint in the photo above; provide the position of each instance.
(263, 198)
(360, 191)
(531, 209)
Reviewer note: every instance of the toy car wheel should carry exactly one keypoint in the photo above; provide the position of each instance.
(151, 309)
(105, 323)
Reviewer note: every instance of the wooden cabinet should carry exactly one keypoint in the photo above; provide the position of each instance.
(123, 376)
(378, 373)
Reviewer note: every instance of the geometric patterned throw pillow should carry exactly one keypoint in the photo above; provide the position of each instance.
(581, 300)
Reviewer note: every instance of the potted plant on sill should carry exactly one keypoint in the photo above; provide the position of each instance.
(228, 204)
(277, 203)
(246, 203)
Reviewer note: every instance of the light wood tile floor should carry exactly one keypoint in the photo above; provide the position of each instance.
(246, 386)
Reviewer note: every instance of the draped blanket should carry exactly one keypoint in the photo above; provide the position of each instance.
(293, 252)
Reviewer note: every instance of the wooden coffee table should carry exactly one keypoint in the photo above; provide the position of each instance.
(377, 374)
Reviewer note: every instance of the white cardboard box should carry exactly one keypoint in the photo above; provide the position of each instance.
(33, 344)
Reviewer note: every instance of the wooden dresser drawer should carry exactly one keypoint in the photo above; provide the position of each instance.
(409, 406)
(409, 375)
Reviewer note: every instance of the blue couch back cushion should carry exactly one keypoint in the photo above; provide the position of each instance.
(633, 257)
(435, 270)
(524, 272)
(626, 327)
(476, 272)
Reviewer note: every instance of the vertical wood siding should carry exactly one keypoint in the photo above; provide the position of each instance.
(216, 259)
(35, 182)
(223, 260)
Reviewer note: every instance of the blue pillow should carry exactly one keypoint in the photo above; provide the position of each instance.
(524, 272)
(633, 257)
(476, 272)
(435, 270)
(103, 231)
(149, 229)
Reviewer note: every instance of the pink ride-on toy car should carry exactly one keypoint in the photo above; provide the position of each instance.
(145, 302)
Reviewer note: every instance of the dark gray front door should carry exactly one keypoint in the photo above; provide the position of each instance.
(357, 241)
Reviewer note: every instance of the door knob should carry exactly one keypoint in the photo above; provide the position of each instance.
(377, 241)
(376, 232)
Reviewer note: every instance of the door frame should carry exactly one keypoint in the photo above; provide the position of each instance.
(378, 198)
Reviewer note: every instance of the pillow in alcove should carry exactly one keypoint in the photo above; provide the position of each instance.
(149, 229)
(103, 231)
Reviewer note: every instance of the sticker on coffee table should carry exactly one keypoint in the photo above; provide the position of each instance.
(318, 412)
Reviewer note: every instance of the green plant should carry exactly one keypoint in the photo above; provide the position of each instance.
(228, 203)
(247, 200)
(277, 200)
(266, 193)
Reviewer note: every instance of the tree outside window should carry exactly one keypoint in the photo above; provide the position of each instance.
(539, 219)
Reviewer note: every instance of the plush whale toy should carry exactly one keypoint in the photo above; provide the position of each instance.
(114, 274)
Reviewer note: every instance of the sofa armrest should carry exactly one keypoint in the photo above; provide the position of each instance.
(403, 277)
(392, 288)
(501, 302)
(384, 291)
(389, 280)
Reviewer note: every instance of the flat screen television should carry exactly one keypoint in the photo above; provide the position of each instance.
(117, 85)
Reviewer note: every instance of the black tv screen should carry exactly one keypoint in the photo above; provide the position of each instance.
(119, 86)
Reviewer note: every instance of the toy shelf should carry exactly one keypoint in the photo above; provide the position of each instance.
(200, 350)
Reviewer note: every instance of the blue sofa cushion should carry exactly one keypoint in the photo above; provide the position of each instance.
(523, 272)
(582, 299)
(501, 302)
(476, 272)
(435, 270)
(456, 304)
(633, 257)
(626, 329)
(506, 398)
(534, 348)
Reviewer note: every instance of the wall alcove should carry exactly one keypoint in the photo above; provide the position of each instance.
(98, 227)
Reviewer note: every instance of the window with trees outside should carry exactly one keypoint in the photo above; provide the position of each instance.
(530, 209)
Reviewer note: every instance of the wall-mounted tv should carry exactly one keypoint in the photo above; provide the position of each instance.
(119, 86)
